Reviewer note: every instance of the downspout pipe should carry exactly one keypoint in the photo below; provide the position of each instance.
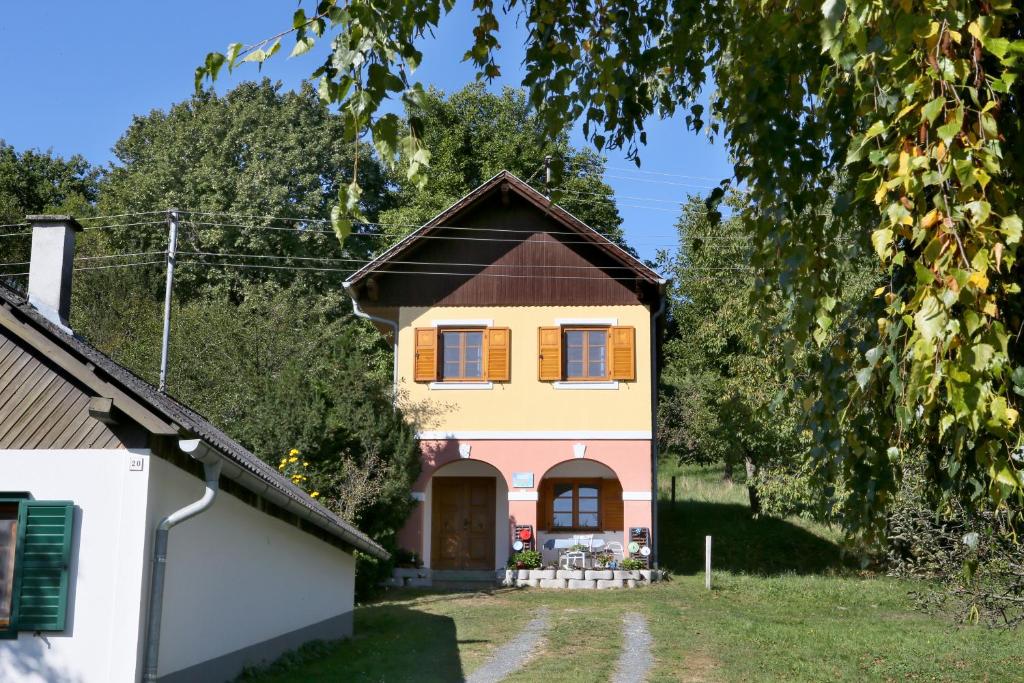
(211, 471)
(393, 324)
(655, 315)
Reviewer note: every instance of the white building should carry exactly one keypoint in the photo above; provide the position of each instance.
(102, 579)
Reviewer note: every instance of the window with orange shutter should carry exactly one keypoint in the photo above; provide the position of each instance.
(462, 358)
(586, 353)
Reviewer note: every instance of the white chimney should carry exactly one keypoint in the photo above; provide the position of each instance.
(51, 266)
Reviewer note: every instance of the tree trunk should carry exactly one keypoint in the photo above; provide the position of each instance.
(727, 474)
(755, 500)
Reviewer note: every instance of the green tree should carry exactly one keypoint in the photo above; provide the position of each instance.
(919, 100)
(472, 135)
(721, 381)
(231, 161)
(34, 182)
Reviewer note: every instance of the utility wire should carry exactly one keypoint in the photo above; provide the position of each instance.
(204, 260)
(254, 217)
(138, 253)
(377, 235)
(659, 182)
(428, 263)
(610, 194)
(123, 265)
(405, 263)
(122, 215)
(662, 173)
(124, 225)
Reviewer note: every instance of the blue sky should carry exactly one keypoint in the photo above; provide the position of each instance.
(76, 72)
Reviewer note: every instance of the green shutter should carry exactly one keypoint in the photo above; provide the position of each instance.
(41, 569)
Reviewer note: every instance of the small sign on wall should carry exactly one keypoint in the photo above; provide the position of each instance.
(522, 480)
(136, 463)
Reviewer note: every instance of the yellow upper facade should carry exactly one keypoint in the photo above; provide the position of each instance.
(521, 401)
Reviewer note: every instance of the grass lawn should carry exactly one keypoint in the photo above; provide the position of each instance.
(785, 606)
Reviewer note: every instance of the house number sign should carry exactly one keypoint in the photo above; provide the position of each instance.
(522, 480)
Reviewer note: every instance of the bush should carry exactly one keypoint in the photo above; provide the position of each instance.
(796, 490)
(970, 558)
(525, 559)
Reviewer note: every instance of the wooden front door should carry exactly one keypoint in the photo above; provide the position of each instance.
(462, 523)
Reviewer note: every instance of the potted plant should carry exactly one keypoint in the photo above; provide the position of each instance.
(524, 561)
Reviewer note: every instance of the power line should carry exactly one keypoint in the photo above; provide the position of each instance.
(104, 267)
(379, 235)
(612, 194)
(416, 272)
(124, 225)
(138, 253)
(123, 265)
(122, 215)
(659, 182)
(15, 225)
(254, 217)
(662, 173)
(405, 263)
(298, 231)
(411, 272)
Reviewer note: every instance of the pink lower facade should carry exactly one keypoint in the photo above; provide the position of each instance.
(518, 468)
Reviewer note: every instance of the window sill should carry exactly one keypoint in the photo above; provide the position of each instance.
(586, 385)
(445, 386)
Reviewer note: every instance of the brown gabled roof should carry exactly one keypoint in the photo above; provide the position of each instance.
(161, 414)
(507, 179)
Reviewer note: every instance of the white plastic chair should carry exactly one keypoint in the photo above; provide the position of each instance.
(573, 557)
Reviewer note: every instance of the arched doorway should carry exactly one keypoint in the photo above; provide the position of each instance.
(578, 497)
(467, 517)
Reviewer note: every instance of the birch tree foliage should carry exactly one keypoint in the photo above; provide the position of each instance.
(903, 116)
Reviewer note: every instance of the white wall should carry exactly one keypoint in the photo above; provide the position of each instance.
(100, 642)
(237, 577)
(472, 468)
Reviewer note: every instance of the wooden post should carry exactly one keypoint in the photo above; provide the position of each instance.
(673, 490)
(707, 562)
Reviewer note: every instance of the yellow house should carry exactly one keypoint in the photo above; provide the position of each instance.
(525, 349)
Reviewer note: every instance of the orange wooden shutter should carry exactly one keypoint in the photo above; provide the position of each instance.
(498, 344)
(425, 364)
(550, 354)
(611, 505)
(622, 343)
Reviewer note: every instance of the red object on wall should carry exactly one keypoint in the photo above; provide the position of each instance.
(525, 534)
